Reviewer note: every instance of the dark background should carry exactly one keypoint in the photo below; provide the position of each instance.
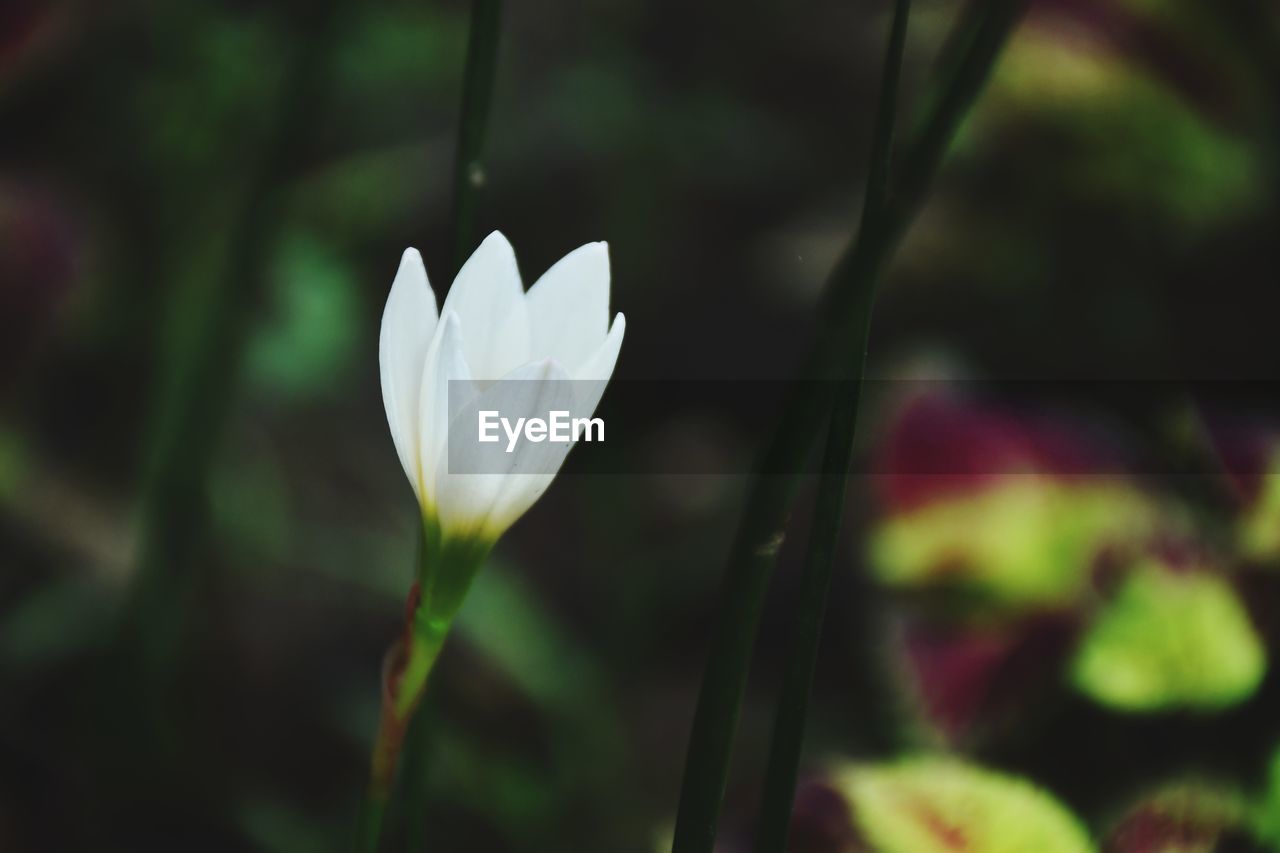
(1109, 211)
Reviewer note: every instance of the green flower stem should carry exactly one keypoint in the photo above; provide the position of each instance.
(446, 568)
(811, 603)
(839, 351)
(404, 680)
(405, 674)
(477, 96)
(444, 577)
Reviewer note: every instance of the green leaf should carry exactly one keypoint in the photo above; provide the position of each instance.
(1025, 541)
(1267, 817)
(1170, 639)
(1185, 817)
(1139, 142)
(505, 619)
(1259, 528)
(312, 338)
(927, 804)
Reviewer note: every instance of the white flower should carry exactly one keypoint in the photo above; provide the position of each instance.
(490, 329)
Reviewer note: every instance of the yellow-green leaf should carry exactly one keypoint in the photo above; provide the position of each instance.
(1171, 639)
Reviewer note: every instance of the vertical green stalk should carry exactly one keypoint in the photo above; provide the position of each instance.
(408, 664)
(806, 630)
(877, 198)
(192, 407)
(811, 601)
(473, 122)
(839, 350)
(404, 679)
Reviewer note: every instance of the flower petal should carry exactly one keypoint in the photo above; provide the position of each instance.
(485, 504)
(408, 324)
(569, 306)
(446, 363)
(488, 298)
(593, 377)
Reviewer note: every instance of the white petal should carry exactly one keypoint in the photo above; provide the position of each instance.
(594, 376)
(446, 372)
(569, 306)
(488, 298)
(485, 504)
(408, 324)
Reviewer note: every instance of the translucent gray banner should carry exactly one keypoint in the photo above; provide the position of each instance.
(1076, 428)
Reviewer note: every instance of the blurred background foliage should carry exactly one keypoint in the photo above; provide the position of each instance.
(1016, 587)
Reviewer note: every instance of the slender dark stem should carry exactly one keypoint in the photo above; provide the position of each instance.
(877, 197)
(992, 22)
(477, 95)
(806, 631)
(811, 601)
(839, 350)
